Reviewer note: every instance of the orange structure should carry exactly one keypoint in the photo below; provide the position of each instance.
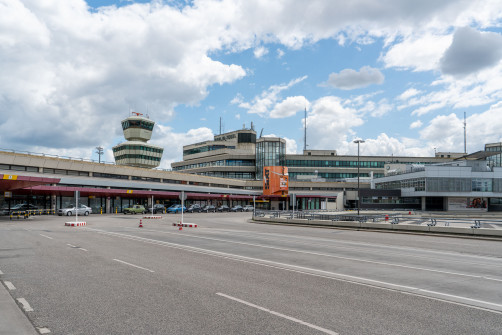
(275, 180)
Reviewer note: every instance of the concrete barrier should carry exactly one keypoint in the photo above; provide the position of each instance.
(481, 232)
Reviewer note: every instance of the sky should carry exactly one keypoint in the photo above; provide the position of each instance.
(398, 74)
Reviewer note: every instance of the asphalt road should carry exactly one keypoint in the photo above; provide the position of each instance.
(229, 276)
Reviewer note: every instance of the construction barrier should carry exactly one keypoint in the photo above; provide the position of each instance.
(186, 225)
(75, 224)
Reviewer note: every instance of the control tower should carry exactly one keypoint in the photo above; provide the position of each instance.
(136, 151)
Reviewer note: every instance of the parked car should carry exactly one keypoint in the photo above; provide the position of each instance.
(194, 208)
(209, 208)
(248, 208)
(223, 208)
(237, 208)
(135, 209)
(17, 208)
(176, 209)
(157, 208)
(70, 210)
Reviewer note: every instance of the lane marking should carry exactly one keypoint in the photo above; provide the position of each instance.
(26, 305)
(46, 236)
(1, 273)
(338, 257)
(71, 245)
(384, 246)
(136, 266)
(290, 318)
(360, 247)
(83, 249)
(9, 285)
(304, 270)
(43, 330)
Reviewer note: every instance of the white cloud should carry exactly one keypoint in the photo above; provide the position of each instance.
(417, 53)
(416, 124)
(238, 116)
(260, 51)
(280, 53)
(349, 79)
(411, 92)
(289, 107)
(266, 101)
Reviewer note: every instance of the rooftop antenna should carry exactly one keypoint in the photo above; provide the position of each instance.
(465, 135)
(261, 132)
(252, 125)
(220, 125)
(305, 131)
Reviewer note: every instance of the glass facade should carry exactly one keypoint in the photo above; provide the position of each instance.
(143, 124)
(495, 160)
(332, 163)
(269, 152)
(205, 149)
(138, 147)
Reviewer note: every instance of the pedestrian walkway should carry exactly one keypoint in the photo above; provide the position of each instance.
(12, 320)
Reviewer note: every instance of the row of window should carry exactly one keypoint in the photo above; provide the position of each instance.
(327, 175)
(143, 124)
(445, 184)
(205, 149)
(138, 147)
(320, 163)
(233, 175)
(229, 162)
(137, 156)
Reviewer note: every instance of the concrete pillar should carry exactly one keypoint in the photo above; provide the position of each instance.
(53, 201)
(423, 203)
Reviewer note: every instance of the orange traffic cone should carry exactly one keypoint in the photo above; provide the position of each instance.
(181, 228)
(140, 224)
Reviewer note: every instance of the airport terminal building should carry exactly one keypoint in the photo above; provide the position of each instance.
(226, 170)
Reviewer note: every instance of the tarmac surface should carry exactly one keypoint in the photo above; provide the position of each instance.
(231, 276)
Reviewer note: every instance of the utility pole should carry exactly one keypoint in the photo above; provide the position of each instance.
(305, 132)
(358, 198)
(99, 151)
(465, 136)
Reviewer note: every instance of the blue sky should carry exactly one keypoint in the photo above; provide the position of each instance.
(398, 74)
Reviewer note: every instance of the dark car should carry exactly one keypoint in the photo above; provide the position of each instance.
(157, 208)
(237, 208)
(223, 208)
(194, 208)
(17, 208)
(209, 208)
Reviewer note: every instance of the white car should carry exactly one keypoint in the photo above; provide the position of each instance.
(70, 210)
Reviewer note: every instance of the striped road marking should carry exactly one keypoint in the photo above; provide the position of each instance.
(9, 285)
(26, 305)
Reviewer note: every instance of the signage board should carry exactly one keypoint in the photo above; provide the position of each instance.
(275, 180)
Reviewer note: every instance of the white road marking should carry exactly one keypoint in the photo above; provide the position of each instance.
(339, 257)
(83, 249)
(46, 236)
(136, 266)
(324, 330)
(1, 273)
(9, 285)
(43, 330)
(71, 245)
(26, 305)
(304, 270)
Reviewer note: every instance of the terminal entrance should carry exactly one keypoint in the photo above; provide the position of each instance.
(434, 204)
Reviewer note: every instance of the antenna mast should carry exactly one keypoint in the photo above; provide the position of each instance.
(305, 132)
(220, 125)
(465, 136)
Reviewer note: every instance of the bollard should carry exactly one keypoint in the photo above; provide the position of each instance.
(116, 210)
(386, 217)
(101, 210)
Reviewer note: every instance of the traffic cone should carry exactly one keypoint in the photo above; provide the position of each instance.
(181, 228)
(140, 224)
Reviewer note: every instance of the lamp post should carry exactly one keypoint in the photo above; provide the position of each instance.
(358, 201)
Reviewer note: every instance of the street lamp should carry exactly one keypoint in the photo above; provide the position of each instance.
(358, 201)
